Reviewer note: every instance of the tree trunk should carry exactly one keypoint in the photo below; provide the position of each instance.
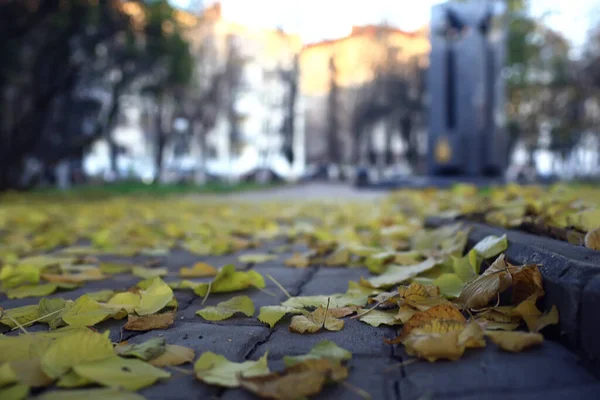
(160, 140)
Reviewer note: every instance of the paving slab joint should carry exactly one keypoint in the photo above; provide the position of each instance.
(311, 273)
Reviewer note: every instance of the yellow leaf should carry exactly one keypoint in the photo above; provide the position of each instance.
(23, 315)
(12, 276)
(444, 312)
(226, 309)
(215, 369)
(450, 284)
(256, 258)
(297, 260)
(515, 341)
(117, 372)
(199, 270)
(127, 301)
(377, 317)
(150, 322)
(115, 268)
(315, 321)
(529, 312)
(73, 349)
(173, 355)
(272, 314)
(22, 292)
(526, 282)
(592, 239)
(395, 274)
(85, 312)
(14, 392)
(230, 280)
(155, 298)
(492, 282)
(7, 375)
(30, 373)
(151, 348)
(149, 273)
(90, 394)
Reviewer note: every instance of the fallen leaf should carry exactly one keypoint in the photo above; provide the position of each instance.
(85, 312)
(7, 375)
(443, 339)
(340, 257)
(215, 369)
(515, 341)
(126, 301)
(272, 314)
(173, 355)
(324, 349)
(256, 258)
(335, 300)
(112, 268)
(527, 281)
(145, 351)
(592, 239)
(73, 349)
(226, 309)
(495, 280)
(315, 321)
(72, 380)
(464, 268)
(89, 394)
(378, 317)
(149, 322)
(198, 270)
(155, 298)
(101, 295)
(14, 392)
(23, 315)
(297, 381)
(29, 372)
(22, 292)
(491, 246)
(395, 275)
(149, 273)
(127, 373)
(230, 280)
(13, 276)
(444, 312)
(450, 284)
(377, 263)
(298, 260)
(528, 310)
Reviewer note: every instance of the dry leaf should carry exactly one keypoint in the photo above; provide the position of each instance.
(198, 270)
(495, 280)
(315, 321)
(173, 355)
(528, 310)
(549, 318)
(526, 282)
(297, 260)
(592, 239)
(515, 341)
(444, 312)
(149, 322)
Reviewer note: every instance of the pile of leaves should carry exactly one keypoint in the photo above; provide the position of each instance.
(442, 298)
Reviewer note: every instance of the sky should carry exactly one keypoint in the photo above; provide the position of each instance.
(317, 20)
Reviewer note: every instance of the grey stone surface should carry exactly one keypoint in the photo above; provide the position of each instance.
(330, 280)
(180, 386)
(233, 342)
(491, 370)
(357, 337)
(578, 392)
(590, 323)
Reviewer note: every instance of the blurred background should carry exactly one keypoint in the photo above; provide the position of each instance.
(196, 92)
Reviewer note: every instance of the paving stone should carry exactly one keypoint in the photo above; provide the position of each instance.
(579, 392)
(590, 323)
(289, 278)
(233, 342)
(492, 370)
(330, 280)
(368, 374)
(357, 337)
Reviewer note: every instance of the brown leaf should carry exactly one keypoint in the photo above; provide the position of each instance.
(495, 280)
(298, 381)
(150, 322)
(444, 312)
(527, 281)
(341, 312)
(515, 341)
(313, 322)
(173, 355)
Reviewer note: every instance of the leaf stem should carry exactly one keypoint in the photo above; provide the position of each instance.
(279, 286)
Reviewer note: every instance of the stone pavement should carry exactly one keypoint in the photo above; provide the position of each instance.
(548, 372)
